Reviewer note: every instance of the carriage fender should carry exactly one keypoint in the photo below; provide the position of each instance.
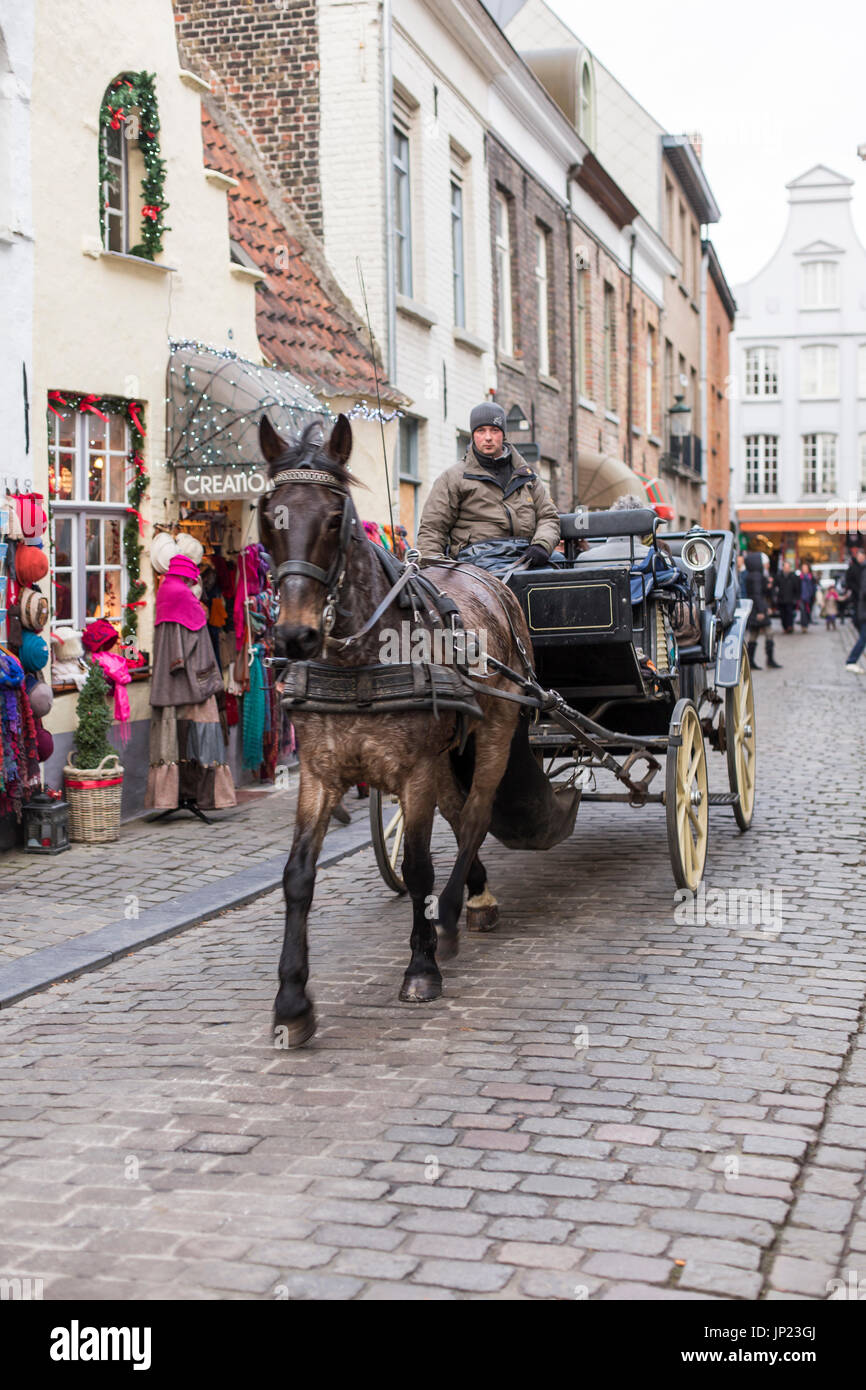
(729, 657)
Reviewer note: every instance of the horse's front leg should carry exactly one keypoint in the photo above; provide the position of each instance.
(422, 981)
(294, 1019)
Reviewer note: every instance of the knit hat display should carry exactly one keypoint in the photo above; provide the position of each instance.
(185, 566)
(162, 551)
(66, 643)
(33, 652)
(31, 564)
(488, 413)
(33, 608)
(99, 635)
(188, 545)
(44, 744)
(41, 698)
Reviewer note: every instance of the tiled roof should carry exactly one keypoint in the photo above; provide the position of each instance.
(300, 326)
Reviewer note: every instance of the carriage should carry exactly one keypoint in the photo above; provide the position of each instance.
(640, 665)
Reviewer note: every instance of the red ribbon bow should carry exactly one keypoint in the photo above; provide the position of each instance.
(61, 400)
(88, 403)
(141, 522)
(150, 211)
(132, 410)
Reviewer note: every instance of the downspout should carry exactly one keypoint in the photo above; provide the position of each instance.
(572, 309)
(704, 401)
(388, 146)
(630, 396)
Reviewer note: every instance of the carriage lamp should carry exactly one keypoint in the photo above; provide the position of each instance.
(680, 416)
(698, 553)
(46, 825)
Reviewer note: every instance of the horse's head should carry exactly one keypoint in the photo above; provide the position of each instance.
(307, 521)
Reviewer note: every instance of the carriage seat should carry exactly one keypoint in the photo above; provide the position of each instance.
(619, 548)
(586, 525)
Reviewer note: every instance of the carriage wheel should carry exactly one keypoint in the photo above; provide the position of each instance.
(740, 741)
(686, 800)
(387, 824)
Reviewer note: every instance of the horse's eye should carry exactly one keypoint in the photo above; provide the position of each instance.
(335, 522)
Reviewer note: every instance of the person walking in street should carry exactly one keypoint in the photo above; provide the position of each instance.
(787, 595)
(855, 585)
(741, 576)
(490, 495)
(758, 590)
(808, 588)
(830, 608)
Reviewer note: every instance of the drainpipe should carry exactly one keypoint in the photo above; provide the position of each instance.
(630, 397)
(388, 146)
(704, 402)
(569, 226)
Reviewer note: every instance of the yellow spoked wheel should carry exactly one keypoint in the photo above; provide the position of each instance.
(740, 744)
(686, 801)
(387, 824)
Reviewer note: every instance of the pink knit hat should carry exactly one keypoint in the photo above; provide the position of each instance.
(184, 566)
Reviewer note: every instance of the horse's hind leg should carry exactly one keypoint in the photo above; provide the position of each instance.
(294, 1019)
(482, 909)
(491, 758)
(422, 981)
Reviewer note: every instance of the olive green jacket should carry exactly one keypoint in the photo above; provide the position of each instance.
(467, 504)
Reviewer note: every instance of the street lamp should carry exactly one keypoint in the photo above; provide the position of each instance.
(680, 418)
(516, 421)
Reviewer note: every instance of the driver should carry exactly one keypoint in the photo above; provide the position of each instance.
(491, 495)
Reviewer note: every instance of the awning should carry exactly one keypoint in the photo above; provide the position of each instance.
(601, 479)
(215, 401)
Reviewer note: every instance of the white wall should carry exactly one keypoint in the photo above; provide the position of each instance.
(769, 313)
(16, 239)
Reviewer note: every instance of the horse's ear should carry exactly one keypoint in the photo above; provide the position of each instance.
(340, 443)
(271, 445)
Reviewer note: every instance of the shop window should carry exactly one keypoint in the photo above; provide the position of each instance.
(87, 482)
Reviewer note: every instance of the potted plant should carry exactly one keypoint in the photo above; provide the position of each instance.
(93, 775)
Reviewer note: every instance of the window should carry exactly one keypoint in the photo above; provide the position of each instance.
(762, 371)
(457, 253)
(609, 347)
(408, 445)
(820, 289)
(762, 464)
(504, 314)
(683, 247)
(819, 370)
(587, 104)
(542, 286)
(670, 384)
(819, 463)
(650, 378)
(87, 480)
(670, 228)
(861, 370)
(408, 473)
(402, 212)
(582, 334)
(116, 189)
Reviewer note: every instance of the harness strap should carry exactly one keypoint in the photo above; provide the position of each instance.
(376, 615)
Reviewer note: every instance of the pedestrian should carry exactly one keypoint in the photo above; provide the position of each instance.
(830, 608)
(741, 576)
(756, 569)
(787, 595)
(808, 588)
(855, 585)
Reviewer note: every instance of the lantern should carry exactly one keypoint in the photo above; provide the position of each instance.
(46, 825)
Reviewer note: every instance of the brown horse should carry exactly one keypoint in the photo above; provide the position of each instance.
(330, 584)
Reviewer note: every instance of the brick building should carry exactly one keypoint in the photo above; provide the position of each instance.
(720, 309)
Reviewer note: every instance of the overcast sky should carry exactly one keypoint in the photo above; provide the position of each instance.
(773, 88)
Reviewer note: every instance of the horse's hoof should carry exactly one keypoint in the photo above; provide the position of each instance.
(481, 918)
(294, 1032)
(420, 989)
(447, 944)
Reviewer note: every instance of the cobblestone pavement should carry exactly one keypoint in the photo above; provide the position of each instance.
(51, 900)
(606, 1103)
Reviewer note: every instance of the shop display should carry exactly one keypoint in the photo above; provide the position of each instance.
(93, 775)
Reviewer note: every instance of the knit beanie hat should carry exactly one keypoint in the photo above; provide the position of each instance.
(488, 413)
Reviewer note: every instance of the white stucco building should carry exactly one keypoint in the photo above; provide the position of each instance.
(798, 440)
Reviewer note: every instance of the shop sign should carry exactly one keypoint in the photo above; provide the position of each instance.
(224, 483)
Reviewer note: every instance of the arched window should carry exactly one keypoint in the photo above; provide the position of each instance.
(131, 170)
(587, 103)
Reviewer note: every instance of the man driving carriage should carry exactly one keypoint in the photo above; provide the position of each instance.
(491, 495)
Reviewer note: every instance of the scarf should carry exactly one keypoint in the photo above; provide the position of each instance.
(176, 603)
(117, 674)
(254, 712)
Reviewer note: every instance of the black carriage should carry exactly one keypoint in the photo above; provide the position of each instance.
(640, 663)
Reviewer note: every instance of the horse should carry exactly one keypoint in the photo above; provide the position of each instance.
(330, 582)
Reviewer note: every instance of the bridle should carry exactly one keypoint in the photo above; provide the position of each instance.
(334, 577)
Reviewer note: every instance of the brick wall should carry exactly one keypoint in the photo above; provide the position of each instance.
(716, 512)
(262, 61)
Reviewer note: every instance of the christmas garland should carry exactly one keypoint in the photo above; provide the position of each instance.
(132, 97)
(132, 412)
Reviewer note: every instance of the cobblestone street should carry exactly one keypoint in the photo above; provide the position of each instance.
(607, 1102)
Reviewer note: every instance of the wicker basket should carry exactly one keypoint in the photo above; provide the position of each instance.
(94, 796)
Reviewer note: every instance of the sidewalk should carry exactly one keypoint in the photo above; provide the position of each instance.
(156, 878)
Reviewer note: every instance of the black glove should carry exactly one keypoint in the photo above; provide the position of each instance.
(536, 558)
